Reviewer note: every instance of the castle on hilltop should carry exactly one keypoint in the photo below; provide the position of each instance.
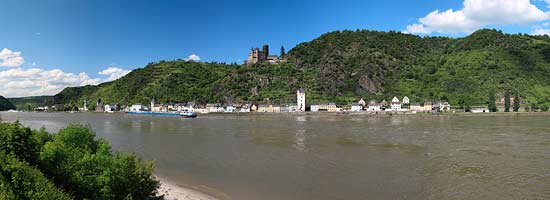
(257, 56)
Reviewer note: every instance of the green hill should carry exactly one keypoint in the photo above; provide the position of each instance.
(29, 103)
(5, 104)
(343, 66)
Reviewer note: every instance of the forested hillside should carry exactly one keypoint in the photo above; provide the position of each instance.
(344, 66)
(5, 104)
(30, 103)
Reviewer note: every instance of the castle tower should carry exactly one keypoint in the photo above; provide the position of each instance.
(265, 50)
(301, 100)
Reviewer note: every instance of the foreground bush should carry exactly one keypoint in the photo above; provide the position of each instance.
(75, 162)
(18, 180)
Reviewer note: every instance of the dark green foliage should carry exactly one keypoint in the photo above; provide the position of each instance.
(20, 141)
(343, 66)
(75, 161)
(87, 167)
(507, 101)
(18, 180)
(534, 107)
(30, 103)
(282, 51)
(516, 102)
(492, 101)
(5, 104)
(544, 108)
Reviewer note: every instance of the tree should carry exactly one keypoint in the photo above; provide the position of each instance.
(89, 170)
(492, 101)
(516, 102)
(282, 50)
(507, 101)
(19, 180)
(544, 108)
(534, 107)
(18, 141)
(37, 165)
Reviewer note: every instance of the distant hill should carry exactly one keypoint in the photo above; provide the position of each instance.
(344, 66)
(5, 104)
(24, 103)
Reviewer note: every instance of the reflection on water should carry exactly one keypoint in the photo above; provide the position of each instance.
(335, 157)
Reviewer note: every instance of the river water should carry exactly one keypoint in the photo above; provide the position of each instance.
(332, 157)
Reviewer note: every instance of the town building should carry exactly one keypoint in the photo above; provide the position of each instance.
(109, 108)
(374, 106)
(480, 110)
(442, 106)
(301, 100)
(356, 107)
(263, 108)
(395, 104)
(137, 108)
(214, 107)
(294, 108)
(416, 107)
(314, 108)
(406, 100)
(428, 106)
(245, 108)
(99, 107)
(229, 108)
(330, 107)
(384, 104)
(362, 102)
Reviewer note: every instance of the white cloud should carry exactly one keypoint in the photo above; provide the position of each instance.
(541, 31)
(193, 57)
(19, 82)
(477, 14)
(113, 73)
(9, 58)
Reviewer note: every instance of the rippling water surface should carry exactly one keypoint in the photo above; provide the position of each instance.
(335, 157)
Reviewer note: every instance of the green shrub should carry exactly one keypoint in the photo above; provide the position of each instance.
(19, 141)
(18, 180)
(37, 165)
(87, 167)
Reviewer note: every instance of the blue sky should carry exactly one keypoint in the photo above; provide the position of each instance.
(83, 38)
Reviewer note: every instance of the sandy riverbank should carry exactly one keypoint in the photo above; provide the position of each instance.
(172, 191)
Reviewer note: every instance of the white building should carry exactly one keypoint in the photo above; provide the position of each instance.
(137, 108)
(301, 100)
(229, 108)
(373, 106)
(314, 108)
(362, 102)
(109, 108)
(395, 104)
(406, 100)
(245, 108)
(356, 107)
(480, 110)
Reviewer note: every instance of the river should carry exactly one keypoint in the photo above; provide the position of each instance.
(332, 157)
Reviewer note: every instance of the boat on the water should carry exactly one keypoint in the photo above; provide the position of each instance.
(185, 113)
(188, 113)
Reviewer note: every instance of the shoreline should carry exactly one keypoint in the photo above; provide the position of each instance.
(174, 191)
(344, 113)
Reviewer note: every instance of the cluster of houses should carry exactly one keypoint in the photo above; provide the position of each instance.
(396, 105)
